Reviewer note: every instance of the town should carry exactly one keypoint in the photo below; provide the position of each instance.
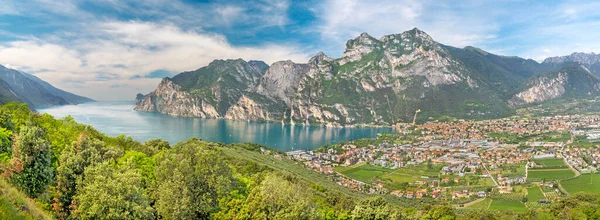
(464, 162)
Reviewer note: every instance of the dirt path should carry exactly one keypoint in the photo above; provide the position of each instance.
(472, 203)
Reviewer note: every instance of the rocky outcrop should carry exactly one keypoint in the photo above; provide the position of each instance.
(248, 109)
(168, 98)
(138, 98)
(545, 88)
(573, 81)
(281, 80)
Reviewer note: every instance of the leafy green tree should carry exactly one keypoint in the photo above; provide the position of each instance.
(109, 192)
(5, 140)
(31, 162)
(279, 198)
(190, 177)
(440, 212)
(18, 114)
(374, 209)
(141, 162)
(84, 153)
(156, 145)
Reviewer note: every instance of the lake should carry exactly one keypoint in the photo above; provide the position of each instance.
(114, 118)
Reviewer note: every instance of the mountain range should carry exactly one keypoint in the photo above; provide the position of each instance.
(17, 86)
(377, 82)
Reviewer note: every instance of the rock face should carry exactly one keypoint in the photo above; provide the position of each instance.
(574, 81)
(281, 80)
(170, 99)
(543, 89)
(376, 81)
(23, 87)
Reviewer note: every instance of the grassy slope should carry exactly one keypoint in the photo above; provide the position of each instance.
(288, 167)
(16, 205)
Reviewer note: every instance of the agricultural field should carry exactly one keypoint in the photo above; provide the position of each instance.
(551, 163)
(503, 205)
(583, 183)
(535, 194)
(393, 179)
(536, 175)
(364, 173)
(511, 170)
(398, 178)
(483, 205)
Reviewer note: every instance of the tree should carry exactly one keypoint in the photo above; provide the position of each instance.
(278, 198)
(5, 140)
(374, 209)
(190, 177)
(109, 192)
(440, 212)
(31, 165)
(73, 162)
(157, 145)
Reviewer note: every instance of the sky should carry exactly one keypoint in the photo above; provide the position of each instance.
(114, 49)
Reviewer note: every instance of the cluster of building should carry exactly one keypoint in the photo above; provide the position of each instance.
(464, 148)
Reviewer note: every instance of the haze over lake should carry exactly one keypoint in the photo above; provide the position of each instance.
(114, 118)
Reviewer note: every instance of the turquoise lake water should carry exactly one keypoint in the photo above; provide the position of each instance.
(114, 118)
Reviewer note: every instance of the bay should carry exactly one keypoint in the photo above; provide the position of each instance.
(114, 118)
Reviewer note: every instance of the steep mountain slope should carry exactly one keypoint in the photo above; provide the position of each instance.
(572, 81)
(505, 74)
(67, 96)
(36, 92)
(7, 95)
(207, 92)
(376, 81)
(387, 80)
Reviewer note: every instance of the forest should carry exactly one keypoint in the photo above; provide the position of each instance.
(60, 169)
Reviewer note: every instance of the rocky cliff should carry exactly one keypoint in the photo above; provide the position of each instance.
(573, 81)
(376, 81)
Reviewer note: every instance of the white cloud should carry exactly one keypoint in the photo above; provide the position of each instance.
(229, 14)
(112, 52)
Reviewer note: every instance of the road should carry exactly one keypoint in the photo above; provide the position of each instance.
(565, 159)
(489, 174)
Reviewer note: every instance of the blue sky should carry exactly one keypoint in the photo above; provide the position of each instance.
(113, 49)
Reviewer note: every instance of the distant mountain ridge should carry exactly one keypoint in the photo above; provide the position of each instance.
(17, 86)
(376, 81)
(591, 61)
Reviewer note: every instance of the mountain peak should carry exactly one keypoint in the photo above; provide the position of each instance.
(363, 39)
(416, 33)
(318, 58)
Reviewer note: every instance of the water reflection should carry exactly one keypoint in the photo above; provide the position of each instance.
(114, 118)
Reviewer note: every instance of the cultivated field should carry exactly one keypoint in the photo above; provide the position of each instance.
(364, 173)
(503, 205)
(536, 175)
(483, 205)
(583, 183)
(553, 162)
(535, 194)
